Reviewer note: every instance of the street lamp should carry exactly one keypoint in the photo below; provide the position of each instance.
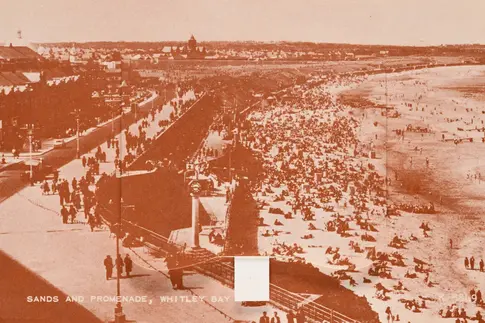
(120, 317)
(76, 113)
(123, 85)
(78, 155)
(112, 120)
(30, 133)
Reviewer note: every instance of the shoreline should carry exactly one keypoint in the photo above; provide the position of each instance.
(453, 280)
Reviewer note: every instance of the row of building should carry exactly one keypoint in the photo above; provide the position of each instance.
(191, 50)
(49, 95)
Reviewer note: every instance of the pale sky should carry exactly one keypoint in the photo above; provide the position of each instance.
(400, 22)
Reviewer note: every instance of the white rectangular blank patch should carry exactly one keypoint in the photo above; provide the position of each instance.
(251, 279)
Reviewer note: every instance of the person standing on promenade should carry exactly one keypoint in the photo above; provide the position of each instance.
(275, 318)
(290, 317)
(64, 214)
(72, 213)
(264, 318)
(171, 264)
(119, 264)
(108, 265)
(91, 222)
(128, 265)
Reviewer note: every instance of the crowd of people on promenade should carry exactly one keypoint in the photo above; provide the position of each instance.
(120, 263)
(292, 317)
(79, 193)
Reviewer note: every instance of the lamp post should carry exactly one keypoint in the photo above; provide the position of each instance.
(78, 150)
(195, 189)
(30, 133)
(78, 155)
(119, 315)
(112, 120)
(123, 85)
(31, 175)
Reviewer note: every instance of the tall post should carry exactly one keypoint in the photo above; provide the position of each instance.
(230, 165)
(78, 154)
(30, 158)
(195, 220)
(195, 189)
(119, 315)
(136, 111)
(112, 122)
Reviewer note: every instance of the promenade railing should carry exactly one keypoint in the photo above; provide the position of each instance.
(222, 269)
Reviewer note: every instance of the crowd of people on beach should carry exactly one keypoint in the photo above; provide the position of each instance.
(320, 178)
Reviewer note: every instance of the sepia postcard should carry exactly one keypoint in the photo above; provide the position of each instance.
(256, 161)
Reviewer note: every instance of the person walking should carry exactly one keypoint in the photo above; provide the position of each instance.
(275, 318)
(482, 265)
(72, 213)
(64, 214)
(128, 265)
(264, 318)
(108, 265)
(45, 188)
(119, 264)
(472, 263)
(389, 314)
(91, 222)
(179, 273)
(171, 264)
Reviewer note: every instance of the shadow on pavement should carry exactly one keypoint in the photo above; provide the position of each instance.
(133, 276)
(17, 283)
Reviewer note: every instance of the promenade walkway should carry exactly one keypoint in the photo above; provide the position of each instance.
(47, 145)
(70, 258)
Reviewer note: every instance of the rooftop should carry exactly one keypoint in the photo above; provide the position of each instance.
(16, 53)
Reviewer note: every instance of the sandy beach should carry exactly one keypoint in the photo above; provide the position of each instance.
(427, 147)
(444, 101)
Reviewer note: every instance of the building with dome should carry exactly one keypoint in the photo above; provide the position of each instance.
(188, 51)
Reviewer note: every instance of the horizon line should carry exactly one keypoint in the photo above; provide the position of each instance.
(255, 41)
